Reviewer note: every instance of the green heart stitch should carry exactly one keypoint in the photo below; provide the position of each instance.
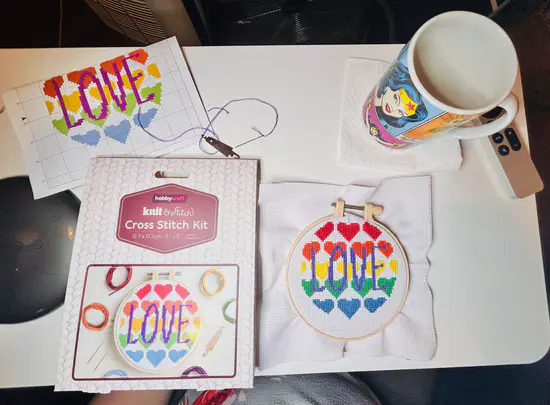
(190, 336)
(387, 285)
(131, 103)
(337, 285)
(308, 286)
(96, 113)
(148, 337)
(367, 286)
(123, 340)
(172, 340)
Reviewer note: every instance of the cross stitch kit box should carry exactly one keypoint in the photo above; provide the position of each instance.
(161, 287)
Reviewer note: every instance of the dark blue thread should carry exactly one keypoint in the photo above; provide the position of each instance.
(211, 131)
(314, 287)
(353, 259)
(374, 267)
(344, 283)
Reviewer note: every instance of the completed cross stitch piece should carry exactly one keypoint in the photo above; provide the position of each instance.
(348, 276)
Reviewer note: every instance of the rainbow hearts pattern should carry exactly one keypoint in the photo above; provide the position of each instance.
(142, 292)
(385, 247)
(182, 291)
(338, 289)
(358, 248)
(156, 356)
(349, 307)
(371, 230)
(330, 246)
(135, 355)
(150, 344)
(387, 285)
(325, 305)
(325, 231)
(191, 306)
(172, 306)
(190, 337)
(172, 340)
(136, 324)
(372, 304)
(176, 355)
(145, 304)
(163, 290)
(348, 231)
(308, 287)
(123, 340)
(365, 288)
(309, 247)
(148, 338)
(128, 306)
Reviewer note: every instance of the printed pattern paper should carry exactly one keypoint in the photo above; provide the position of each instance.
(141, 103)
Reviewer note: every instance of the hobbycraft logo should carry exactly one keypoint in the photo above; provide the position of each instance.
(163, 198)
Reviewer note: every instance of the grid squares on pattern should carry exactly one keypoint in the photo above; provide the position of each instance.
(64, 160)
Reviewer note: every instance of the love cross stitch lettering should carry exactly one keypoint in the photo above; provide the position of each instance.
(347, 278)
(104, 89)
(358, 280)
(158, 325)
(167, 331)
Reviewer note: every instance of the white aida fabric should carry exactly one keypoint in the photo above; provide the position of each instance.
(355, 303)
(286, 210)
(358, 149)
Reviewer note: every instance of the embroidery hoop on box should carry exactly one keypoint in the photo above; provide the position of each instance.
(369, 211)
(120, 312)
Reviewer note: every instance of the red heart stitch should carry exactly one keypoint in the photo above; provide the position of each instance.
(385, 247)
(306, 251)
(329, 247)
(144, 291)
(371, 230)
(358, 248)
(168, 305)
(182, 292)
(324, 232)
(191, 306)
(126, 308)
(348, 231)
(163, 290)
(145, 304)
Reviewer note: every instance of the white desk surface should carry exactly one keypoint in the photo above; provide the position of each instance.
(487, 275)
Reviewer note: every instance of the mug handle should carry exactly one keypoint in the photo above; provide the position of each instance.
(509, 104)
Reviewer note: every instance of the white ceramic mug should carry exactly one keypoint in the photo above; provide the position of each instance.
(458, 66)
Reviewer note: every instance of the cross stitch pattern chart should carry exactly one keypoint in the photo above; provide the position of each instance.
(149, 88)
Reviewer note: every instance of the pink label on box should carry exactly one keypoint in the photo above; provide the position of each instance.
(167, 218)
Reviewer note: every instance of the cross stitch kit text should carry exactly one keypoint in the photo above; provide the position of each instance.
(167, 218)
(160, 225)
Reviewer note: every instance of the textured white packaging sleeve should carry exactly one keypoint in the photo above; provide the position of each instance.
(288, 208)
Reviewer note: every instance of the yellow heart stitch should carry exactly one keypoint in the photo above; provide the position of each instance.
(136, 324)
(393, 265)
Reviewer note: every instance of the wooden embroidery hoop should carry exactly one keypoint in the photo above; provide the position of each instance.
(369, 211)
(155, 277)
